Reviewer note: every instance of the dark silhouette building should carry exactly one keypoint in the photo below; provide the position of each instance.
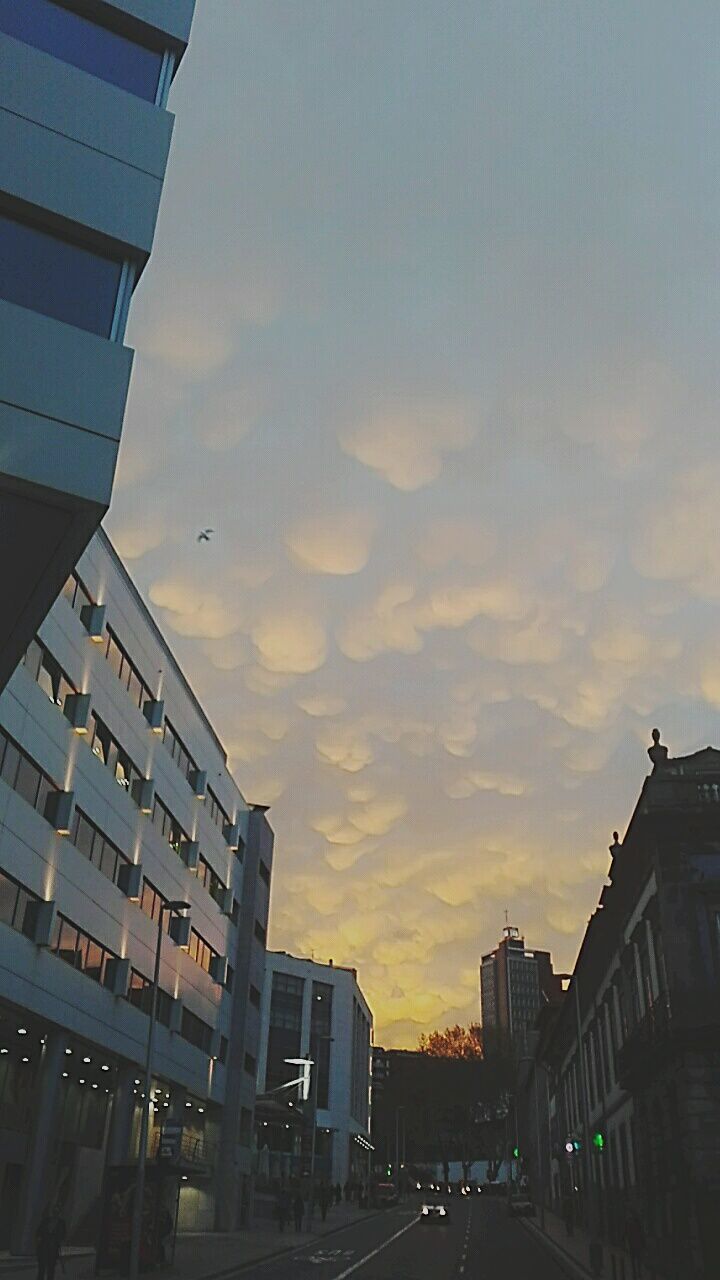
(514, 983)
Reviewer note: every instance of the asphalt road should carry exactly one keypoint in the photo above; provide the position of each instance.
(479, 1243)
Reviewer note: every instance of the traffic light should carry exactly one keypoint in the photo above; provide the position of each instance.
(388, 1171)
(516, 1153)
(598, 1141)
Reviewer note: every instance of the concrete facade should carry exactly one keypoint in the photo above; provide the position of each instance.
(157, 813)
(82, 163)
(320, 1000)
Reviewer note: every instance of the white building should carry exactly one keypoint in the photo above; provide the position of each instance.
(114, 795)
(317, 1011)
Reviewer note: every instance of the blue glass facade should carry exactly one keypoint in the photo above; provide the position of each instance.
(57, 278)
(85, 44)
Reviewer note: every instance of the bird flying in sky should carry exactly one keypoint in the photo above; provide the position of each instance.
(204, 535)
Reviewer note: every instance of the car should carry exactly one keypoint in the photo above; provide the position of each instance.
(433, 1211)
(521, 1207)
(385, 1195)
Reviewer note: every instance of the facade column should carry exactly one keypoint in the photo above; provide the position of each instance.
(638, 979)
(37, 1182)
(123, 1112)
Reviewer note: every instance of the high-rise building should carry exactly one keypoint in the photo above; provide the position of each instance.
(115, 798)
(514, 983)
(84, 140)
(317, 1011)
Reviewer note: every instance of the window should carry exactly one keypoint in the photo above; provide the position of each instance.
(195, 1031)
(113, 756)
(65, 281)
(167, 825)
(178, 751)
(250, 1064)
(79, 950)
(83, 43)
(210, 880)
(201, 951)
(215, 809)
(152, 901)
(96, 847)
(254, 996)
(260, 932)
(264, 872)
(229, 978)
(23, 775)
(140, 994)
(14, 898)
(76, 594)
(48, 673)
(126, 671)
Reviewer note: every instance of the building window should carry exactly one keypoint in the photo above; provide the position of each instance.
(79, 950)
(250, 1064)
(96, 847)
(210, 880)
(126, 671)
(51, 275)
(215, 810)
(195, 1031)
(23, 775)
(113, 756)
(14, 898)
(260, 933)
(201, 951)
(152, 902)
(140, 994)
(229, 978)
(264, 872)
(85, 44)
(76, 594)
(178, 751)
(254, 996)
(168, 826)
(48, 673)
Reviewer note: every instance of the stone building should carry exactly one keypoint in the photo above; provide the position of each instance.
(640, 1095)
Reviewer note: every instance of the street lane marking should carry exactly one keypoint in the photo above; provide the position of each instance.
(361, 1262)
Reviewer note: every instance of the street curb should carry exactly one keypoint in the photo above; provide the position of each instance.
(569, 1264)
(280, 1253)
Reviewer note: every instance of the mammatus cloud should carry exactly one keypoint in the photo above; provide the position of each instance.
(405, 441)
(451, 408)
(338, 543)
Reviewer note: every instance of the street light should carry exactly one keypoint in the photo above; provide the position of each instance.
(175, 908)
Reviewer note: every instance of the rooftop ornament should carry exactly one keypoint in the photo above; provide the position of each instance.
(657, 752)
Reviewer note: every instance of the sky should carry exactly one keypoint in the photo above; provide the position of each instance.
(429, 338)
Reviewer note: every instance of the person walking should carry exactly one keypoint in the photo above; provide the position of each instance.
(298, 1210)
(635, 1237)
(49, 1238)
(282, 1207)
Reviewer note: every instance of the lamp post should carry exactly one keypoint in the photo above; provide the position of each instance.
(315, 1038)
(175, 908)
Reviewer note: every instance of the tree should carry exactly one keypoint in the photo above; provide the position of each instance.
(453, 1042)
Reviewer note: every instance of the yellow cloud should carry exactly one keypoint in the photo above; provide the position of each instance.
(336, 543)
(320, 705)
(405, 440)
(289, 641)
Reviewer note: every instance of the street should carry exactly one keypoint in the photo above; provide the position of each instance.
(480, 1241)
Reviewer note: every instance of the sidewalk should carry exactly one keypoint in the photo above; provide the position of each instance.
(573, 1252)
(202, 1255)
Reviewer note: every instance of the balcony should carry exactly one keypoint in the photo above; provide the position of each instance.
(693, 1022)
(193, 1151)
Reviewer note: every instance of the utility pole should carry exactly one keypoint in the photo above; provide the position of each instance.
(175, 908)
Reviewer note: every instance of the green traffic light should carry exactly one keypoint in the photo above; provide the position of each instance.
(598, 1140)
(516, 1153)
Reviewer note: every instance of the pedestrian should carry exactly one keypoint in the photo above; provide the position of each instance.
(635, 1237)
(325, 1201)
(49, 1238)
(298, 1210)
(282, 1208)
(338, 1194)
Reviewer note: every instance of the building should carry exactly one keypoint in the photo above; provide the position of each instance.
(514, 983)
(84, 140)
(632, 1113)
(115, 796)
(314, 1011)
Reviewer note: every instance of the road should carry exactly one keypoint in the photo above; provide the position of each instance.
(480, 1243)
